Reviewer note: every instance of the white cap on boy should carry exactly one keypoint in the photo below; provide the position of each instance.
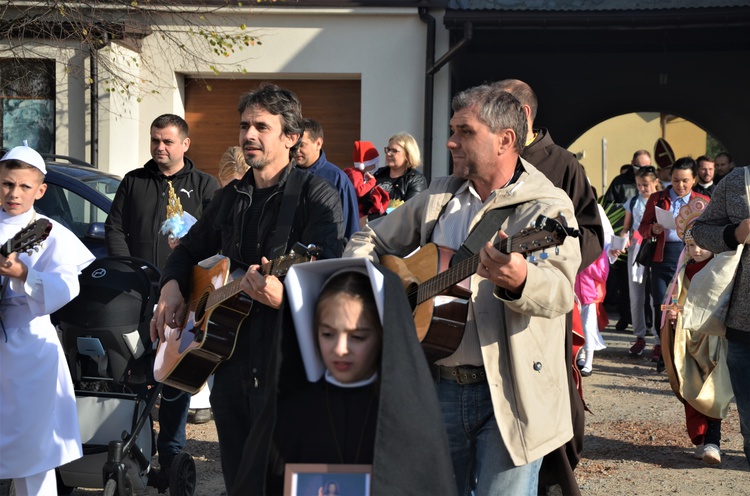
(27, 155)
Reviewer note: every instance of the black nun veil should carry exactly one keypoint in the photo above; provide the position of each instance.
(411, 454)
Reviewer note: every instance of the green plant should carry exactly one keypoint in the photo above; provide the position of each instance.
(616, 216)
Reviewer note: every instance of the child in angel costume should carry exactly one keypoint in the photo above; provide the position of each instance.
(695, 362)
(38, 417)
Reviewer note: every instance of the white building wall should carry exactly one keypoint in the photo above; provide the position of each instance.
(383, 47)
(119, 114)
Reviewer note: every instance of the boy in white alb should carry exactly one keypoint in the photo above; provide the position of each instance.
(38, 419)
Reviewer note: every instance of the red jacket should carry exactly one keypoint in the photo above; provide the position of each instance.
(662, 200)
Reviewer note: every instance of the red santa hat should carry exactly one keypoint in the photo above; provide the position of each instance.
(365, 154)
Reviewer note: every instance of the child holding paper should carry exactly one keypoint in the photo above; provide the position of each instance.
(647, 183)
(669, 245)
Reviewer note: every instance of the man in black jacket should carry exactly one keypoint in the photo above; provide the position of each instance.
(705, 184)
(241, 222)
(623, 186)
(562, 168)
(133, 229)
(140, 204)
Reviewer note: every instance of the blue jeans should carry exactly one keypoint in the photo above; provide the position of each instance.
(173, 413)
(481, 463)
(236, 401)
(738, 361)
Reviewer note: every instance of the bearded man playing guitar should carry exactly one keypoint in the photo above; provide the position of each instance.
(244, 221)
(503, 391)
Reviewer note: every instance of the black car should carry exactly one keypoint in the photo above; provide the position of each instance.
(79, 197)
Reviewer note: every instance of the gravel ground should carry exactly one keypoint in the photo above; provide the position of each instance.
(636, 442)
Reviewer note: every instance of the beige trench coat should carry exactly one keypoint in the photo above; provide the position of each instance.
(524, 358)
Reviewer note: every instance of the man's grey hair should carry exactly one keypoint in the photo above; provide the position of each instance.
(497, 109)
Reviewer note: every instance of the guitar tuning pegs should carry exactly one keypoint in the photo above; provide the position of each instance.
(557, 250)
(544, 255)
(532, 258)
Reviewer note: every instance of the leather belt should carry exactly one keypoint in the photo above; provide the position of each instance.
(467, 374)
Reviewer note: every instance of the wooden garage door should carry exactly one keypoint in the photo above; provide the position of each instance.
(214, 121)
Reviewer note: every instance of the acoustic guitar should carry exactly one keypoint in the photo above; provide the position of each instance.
(439, 293)
(27, 239)
(216, 309)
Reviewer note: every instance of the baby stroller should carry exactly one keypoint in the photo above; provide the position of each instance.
(105, 334)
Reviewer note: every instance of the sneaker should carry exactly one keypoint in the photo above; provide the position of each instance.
(638, 347)
(711, 454)
(656, 353)
(698, 453)
(586, 372)
(201, 416)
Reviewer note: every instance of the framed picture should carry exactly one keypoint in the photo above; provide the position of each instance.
(309, 479)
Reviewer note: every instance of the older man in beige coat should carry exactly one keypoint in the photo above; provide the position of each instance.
(504, 391)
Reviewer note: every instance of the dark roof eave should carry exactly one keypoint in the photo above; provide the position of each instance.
(633, 19)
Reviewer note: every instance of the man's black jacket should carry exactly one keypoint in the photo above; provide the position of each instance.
(562, 168)
(140, 208)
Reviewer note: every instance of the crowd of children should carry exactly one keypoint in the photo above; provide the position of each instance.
(696, 363)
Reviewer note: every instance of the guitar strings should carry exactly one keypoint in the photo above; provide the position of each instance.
(267, 269)
(442, 281)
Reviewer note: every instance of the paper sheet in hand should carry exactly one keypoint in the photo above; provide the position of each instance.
(665, 218)
(617, 243)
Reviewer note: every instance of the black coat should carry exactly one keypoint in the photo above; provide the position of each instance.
(140, 208)
(411, 454)
(562, 168)
(318, 220)
(401, 188)
(621, 188)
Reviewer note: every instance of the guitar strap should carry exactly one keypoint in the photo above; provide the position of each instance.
(483, 232)
(297, 178)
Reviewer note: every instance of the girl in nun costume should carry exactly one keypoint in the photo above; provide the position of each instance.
(352, 386)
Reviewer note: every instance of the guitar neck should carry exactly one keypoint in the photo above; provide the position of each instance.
(224, 293)
(235, 287)
(457, 273)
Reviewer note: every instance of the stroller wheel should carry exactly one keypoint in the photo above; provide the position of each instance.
(110, 488)
(182, 475)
